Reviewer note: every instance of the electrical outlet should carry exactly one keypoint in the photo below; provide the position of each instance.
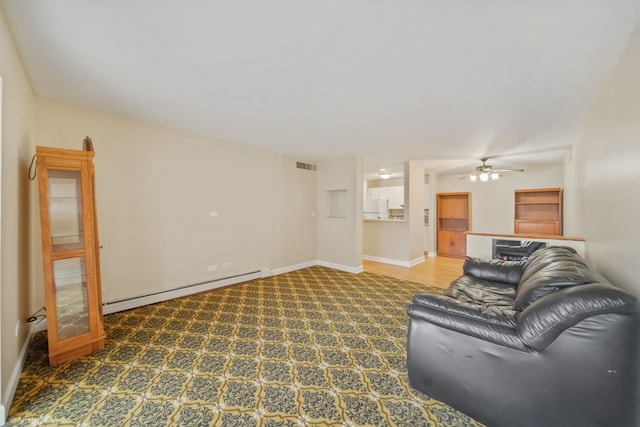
(213, 213)
(213, 267)
(226, 265)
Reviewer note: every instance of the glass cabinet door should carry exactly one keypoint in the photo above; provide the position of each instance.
(65, 210)
(72, 310)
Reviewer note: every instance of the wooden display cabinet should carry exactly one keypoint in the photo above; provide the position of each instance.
(538, 211)
(453, 220)
(73, 299)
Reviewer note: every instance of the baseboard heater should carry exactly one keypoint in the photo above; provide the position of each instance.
(155, 297)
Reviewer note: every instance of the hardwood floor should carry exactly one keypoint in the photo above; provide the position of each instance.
(435, 271)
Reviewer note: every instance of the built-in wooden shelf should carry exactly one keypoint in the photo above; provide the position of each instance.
(538, 211)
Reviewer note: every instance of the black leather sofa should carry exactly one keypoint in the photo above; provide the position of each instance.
(541, 343)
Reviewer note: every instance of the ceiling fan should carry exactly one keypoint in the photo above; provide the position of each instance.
(486, 172)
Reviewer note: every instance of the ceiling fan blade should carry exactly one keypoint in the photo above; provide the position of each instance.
(508, 170)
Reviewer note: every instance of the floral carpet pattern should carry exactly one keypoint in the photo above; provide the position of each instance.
(311, 347)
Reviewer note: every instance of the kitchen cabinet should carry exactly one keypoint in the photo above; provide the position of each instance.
(69, 231)
(396, 197)
(394, 194)
(453, 221)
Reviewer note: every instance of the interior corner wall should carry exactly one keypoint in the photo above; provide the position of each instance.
(17, 141)
(340, 237)
(172, 205)
(604, 174)
(294, 228)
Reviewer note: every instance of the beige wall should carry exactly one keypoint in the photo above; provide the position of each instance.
(492, 203)
(414, 210)
(340, 239)
(17, 148)
(386, 241)
(155, 189)
(294, 215)
(604, 174)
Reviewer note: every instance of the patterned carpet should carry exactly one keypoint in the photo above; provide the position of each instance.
(312, 347)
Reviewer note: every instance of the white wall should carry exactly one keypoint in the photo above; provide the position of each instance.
(155, 189)
(604, 175)
(15, 273)
(492, 203)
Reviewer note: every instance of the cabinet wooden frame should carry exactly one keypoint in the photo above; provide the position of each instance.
(453, 221)
(80, 162)
(538, 211)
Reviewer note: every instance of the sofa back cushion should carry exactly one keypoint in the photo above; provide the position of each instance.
(548, 270)
(494, 270)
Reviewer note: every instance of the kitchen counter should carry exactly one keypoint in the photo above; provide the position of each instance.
(384, 220)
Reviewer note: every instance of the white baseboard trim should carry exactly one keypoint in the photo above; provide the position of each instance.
(134, 302)
(348, 269)
(433, 254)
(290, 268)
(397, 262)
(417, 261)
(12, 384)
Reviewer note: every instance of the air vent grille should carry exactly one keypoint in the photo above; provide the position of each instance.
(306, 166)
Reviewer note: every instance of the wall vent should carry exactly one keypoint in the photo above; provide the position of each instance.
(307, 166)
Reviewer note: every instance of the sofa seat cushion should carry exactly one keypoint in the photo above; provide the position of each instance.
(548, 270)
(467, 319)
(470, 310)
(488, 297)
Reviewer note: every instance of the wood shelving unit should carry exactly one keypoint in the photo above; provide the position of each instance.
(454, 220)
(538, 211)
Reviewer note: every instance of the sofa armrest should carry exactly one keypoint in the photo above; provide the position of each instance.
(545, 319)
(449, 314)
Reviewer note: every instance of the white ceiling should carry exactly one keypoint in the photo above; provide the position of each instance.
(446, 82)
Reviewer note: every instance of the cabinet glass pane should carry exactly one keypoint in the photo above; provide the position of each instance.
(65, 210)
(69, 277)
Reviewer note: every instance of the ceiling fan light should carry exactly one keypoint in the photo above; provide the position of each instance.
(484, 177)
(495, 175)
(473, 178)
(385, 175)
